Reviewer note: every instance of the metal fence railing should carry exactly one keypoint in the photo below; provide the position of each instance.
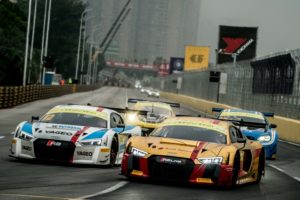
(239, 87)
(11, 96)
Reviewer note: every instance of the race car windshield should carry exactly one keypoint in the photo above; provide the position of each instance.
(190, 133)
(156, 110)
(74, 119)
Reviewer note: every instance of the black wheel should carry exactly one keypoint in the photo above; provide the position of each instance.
(235, 170)
(261, 166)
(113, 151)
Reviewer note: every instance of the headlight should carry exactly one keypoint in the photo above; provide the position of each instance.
(137, 152)
(91, 143)
(131, 117)
(265, 138)
(25, 136)
(211, 160)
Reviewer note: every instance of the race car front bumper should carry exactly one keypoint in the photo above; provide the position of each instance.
(187, 171)
(44, 149)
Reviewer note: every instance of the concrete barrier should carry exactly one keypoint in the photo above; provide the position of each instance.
(288, 129)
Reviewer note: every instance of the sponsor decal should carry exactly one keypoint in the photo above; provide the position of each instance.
(66, 127)
(84, 153)
(174, 161)
(26, 148)
(51, 143)
(59, 132)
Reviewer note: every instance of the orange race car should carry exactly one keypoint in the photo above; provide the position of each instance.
(196, 150)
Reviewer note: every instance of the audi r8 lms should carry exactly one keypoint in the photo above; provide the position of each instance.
(195, 150)
(74, 133)
(255, 127)
(156, 113)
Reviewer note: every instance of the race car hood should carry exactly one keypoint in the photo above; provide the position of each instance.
(62, 132)
(176, 147)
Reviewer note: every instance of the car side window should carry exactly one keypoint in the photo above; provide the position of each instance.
(115, 119)
(239, 134)
(233, 134)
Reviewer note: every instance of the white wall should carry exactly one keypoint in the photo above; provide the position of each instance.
(278, 22)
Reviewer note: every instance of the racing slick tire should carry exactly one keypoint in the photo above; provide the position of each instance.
(261, 166)
(113, 151)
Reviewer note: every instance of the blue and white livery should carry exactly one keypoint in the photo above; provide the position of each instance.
(255, 126)
(76, 134)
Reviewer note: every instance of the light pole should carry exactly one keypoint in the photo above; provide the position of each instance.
(43, 42)
(27, 43)
(79, 42)
(47, 38)
(32, 39)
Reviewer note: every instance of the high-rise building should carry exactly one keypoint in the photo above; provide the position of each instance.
(154, 28)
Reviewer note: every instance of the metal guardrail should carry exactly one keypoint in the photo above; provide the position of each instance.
(11, 96)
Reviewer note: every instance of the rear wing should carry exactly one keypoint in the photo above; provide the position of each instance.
(183, 115)
(268, 114)
(247, 124)
(126, 110)
(175, 105)
(217, 109)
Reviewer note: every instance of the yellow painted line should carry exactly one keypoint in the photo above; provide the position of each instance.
(36, 196)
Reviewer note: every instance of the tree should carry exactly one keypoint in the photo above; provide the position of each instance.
(12, 43)
(63, 36)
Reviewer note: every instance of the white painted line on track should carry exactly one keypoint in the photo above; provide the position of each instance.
(292, 143)
(281, 170)
(1, 137)
(108, 190)
(297, 178)
(33, 196)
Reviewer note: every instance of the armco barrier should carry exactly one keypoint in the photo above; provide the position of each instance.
(11, 96)
(288, 129)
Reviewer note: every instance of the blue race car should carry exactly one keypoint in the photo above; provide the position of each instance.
(254, 126)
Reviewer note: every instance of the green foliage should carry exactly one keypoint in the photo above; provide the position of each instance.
(64, 30)
(63, 38)
(12, 43)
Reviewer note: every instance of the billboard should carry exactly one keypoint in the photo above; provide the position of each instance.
(176, 65)
(196, 57)
(236, 40)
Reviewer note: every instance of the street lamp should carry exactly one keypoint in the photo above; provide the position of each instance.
(79, 42)
(27, 43)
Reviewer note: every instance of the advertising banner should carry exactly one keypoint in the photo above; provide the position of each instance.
(196, 58)
(236, 40)
(176, 65)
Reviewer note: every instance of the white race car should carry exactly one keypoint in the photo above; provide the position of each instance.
(76, 134)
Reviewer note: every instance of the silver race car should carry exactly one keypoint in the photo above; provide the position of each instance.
(75, 134)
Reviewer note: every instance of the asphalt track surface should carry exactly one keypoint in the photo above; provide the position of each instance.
(47, 180)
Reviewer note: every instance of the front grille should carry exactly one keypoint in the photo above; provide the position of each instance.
(170, 171)
(53, 150)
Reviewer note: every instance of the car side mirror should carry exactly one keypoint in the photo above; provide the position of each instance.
(35, 118)
(273, 126)
(241, 140)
